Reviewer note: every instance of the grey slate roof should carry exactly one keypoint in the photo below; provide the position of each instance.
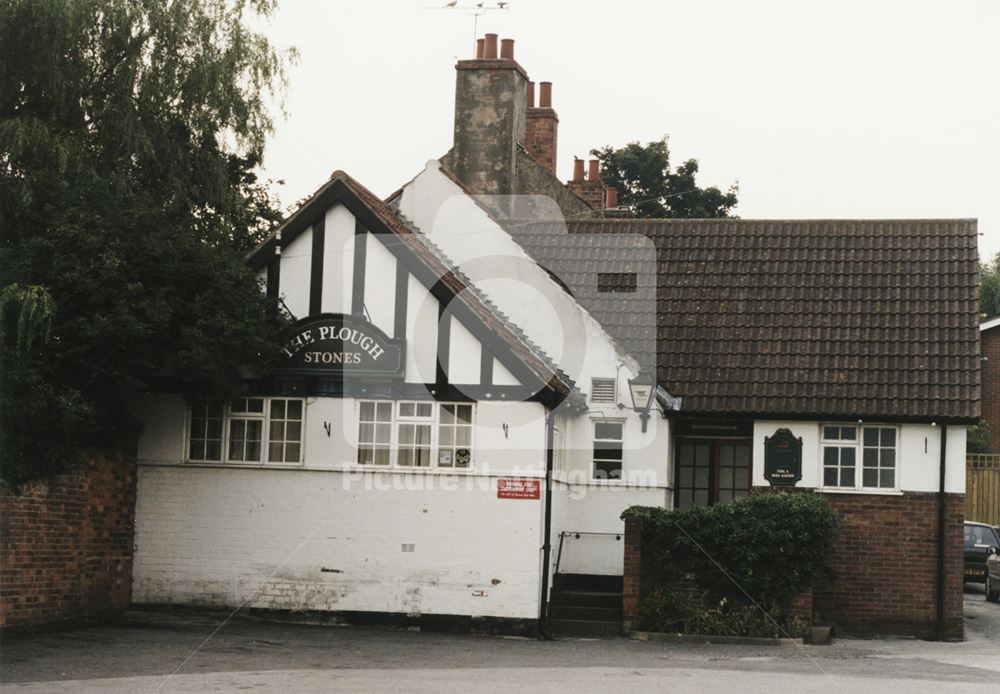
(805, 318)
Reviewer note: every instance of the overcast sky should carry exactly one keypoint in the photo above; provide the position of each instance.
(877, 108)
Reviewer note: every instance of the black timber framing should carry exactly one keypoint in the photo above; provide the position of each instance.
(358, 284)
(443, 345)
(402, 300)
(316, 268)
(485, 365)
(338, 192)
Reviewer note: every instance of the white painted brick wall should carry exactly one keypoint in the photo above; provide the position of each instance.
(224, 536)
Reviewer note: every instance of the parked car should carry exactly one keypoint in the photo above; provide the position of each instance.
(993, 575)
(979, 537)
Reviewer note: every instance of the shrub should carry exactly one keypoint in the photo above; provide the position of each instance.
(674, 612)
(763, 549)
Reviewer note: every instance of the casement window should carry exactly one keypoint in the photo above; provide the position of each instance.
(243, 430)
(859, 457)
(415, 434)
(609, 444)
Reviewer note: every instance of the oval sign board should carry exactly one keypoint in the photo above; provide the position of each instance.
(338, 344)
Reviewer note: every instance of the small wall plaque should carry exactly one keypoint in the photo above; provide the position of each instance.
(782, 458)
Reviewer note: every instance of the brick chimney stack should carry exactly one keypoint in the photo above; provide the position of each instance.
(543, 126)
(490, 118)
(591, 188)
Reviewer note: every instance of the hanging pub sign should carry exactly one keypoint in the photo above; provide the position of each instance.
(336, 344)
(782, 458)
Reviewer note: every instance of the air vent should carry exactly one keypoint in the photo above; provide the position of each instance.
(602, 390)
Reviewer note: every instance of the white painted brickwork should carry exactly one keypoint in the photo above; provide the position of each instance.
(213, 536)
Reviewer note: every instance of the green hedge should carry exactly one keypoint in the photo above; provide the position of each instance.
(765, 548)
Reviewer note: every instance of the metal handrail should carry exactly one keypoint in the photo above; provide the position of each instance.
(576, 534)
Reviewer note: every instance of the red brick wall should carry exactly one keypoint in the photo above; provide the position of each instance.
(591, 192)
(66, 545)
(990, 375)
(885, 563)
(541, 136)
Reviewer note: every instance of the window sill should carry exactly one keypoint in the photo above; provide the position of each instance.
(865, 492)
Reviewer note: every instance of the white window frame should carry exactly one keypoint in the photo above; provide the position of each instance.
(415, 418)
(594, 422)
(859, 447)
(264, 417)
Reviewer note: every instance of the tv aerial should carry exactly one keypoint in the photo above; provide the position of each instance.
(475, 9)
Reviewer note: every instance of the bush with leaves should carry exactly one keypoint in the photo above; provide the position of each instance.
(760, 550)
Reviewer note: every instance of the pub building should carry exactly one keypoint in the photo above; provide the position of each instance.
(483, 370)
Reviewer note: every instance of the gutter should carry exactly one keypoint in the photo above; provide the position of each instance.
(543, 603)
(941, 535)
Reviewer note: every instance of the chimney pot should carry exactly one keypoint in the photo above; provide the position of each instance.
(545, 94)
(593, 170)
(479, 48)
(507, 49)
(612, 201)
(577, 168)
(531, 94)
(490, 47)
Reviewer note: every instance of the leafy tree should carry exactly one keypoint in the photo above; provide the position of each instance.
(977, 439)
(989, 288)
(130, 136)
(645, 183)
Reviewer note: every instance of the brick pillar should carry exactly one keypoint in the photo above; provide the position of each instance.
(633, 570)
(802, 606)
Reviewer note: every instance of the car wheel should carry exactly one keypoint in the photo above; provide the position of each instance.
(991, 594)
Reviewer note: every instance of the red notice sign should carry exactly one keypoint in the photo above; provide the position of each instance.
(519, 489)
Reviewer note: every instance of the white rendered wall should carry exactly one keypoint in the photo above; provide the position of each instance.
(421, 333)
(214, 534)
(338, 260)
(380, 284)
(918, 455)
(296, 269)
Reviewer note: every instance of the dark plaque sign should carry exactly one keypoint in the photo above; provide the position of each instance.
(337, 344)
(782, 459)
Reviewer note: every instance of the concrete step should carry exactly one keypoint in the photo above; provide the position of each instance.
(586, 598)
(583, 627)
(594, 614)
(606, 584)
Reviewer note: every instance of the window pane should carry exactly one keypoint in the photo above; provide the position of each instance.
(848, 433)
(701, 497)
(196, 451)
(463, 436)
(607, 430)
(830, 477)
(368, 411)
(275, 452)
(847, 477)
(382, 456)
(277, 431)
(447, 436)
(607, 470)
(701, 477)
(366, 433)
(464, 413)
(869, 478)
(831, 433)
(424, 409)
(687, 477)
(887, 478)
(277, 409)
(384, 411)
(213, 450)
(871, 436)
(447, 414)
(293, 431)
(870, 457)
(687, 455)
(294, 409)
(742, 478)
(383, 433)
(365, 454)
(888, 437)
(293, 452)
(405, 457)
(830, 456)
(889, 457)
(725, 478)
(847, 457)
(685, 498)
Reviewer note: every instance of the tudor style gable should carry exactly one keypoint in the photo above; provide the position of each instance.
(345, 262)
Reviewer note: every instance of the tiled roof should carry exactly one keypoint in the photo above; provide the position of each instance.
(825, 318)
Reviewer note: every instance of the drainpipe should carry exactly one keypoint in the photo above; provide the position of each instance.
(550, 421)
(941, 536)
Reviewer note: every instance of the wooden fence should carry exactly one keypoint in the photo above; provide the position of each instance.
(982, 488)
